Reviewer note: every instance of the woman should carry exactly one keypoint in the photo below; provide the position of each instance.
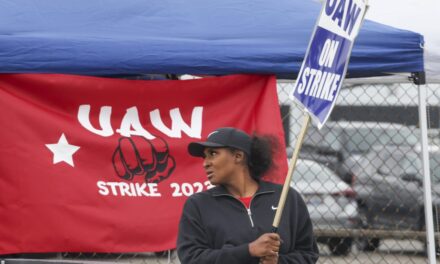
(232, 222)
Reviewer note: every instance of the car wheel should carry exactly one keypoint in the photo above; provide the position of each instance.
(368, 244)
(365, 244)
(340, 246)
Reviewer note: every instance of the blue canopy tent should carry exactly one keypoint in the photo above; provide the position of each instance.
(135, 37)
(184, 37)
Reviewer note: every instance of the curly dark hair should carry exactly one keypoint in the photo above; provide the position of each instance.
(261, 158)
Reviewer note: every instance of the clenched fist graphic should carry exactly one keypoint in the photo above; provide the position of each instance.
(138, 156)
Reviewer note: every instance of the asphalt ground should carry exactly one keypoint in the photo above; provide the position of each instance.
(390, 251)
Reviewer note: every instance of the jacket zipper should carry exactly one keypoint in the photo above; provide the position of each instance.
(249, 212)
(250, 216)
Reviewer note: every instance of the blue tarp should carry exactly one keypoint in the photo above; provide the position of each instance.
(132, 37)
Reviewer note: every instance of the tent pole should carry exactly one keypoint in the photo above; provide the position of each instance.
(419, 79)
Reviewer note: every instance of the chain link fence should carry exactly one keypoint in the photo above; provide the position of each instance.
(360, 176)
(363, 170)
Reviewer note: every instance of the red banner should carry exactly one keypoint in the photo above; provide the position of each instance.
(101, 165)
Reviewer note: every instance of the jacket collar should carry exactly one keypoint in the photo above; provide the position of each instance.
(263, 187)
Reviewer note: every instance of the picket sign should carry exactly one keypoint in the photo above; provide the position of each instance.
(322, 72)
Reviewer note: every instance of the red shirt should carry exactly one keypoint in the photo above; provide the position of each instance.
(246, 200)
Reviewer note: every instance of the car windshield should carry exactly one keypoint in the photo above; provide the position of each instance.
(361, 137)
(400, 164)
(414, 163)
(309, 171)
(323, 139)
(409, 164)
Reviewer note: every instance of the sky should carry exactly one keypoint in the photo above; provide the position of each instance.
(421, 16)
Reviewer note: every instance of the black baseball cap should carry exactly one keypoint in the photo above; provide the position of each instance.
(220, 138)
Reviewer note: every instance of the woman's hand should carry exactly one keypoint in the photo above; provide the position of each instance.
(269, 260)
(266, 245)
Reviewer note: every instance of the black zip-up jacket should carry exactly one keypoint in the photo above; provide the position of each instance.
(215, 227)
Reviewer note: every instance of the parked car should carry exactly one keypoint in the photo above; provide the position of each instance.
(330, 201)
(389, 188)
(338, 144)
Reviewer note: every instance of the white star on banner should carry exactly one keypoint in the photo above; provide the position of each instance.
(62, 151)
